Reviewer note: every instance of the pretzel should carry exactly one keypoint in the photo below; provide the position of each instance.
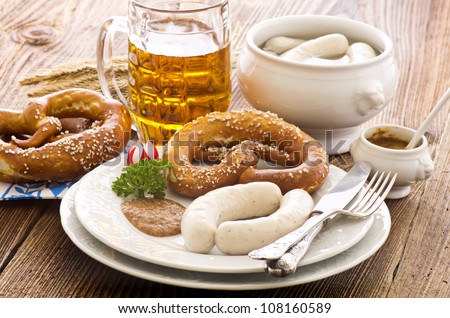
(61, 136)
(222, 149)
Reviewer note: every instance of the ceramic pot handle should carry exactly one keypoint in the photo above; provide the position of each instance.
(427, 166)
(369, 96)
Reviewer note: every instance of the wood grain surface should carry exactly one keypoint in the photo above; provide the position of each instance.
(37, 259)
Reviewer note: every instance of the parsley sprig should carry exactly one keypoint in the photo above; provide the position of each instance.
(142, 179)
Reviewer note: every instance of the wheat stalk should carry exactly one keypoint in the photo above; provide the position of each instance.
(79, 74)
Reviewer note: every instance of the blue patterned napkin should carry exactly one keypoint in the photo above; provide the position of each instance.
(43, 190)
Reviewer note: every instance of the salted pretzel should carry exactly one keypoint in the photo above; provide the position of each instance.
(222, 149)
(61, 136)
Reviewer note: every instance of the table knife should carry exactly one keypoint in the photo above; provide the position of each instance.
(336, 198)
(287, 264)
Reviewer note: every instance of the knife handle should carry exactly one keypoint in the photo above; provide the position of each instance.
(276, 249)
(287, 264)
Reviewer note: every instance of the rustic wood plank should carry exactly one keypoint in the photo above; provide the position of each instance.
(424, 267)
(16, 221)
(46, 33)
(49, 265)
(422, 264)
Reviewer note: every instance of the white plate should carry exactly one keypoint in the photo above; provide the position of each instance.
(366, 247)
(98, 209)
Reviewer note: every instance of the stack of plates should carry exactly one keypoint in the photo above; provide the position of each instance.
(91, 217)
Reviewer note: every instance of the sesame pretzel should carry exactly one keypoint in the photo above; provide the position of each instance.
(224, 148)
(61, 136)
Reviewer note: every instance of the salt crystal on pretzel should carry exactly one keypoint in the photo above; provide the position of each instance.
(238, 140)
(61, 136)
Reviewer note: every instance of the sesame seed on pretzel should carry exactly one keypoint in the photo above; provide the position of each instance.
(224, 148)
(61, 136)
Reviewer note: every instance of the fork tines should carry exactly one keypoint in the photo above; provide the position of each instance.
(373, 195)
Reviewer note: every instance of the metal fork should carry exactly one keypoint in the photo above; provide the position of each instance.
(369, 200)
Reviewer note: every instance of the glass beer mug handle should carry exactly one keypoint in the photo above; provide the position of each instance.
(105, 66)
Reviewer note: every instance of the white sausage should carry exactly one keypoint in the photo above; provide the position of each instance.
(280, 44)
(327, 46)
(359, 51)
(241, 237)
(241, 201)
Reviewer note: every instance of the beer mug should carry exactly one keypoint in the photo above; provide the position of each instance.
(178, 63)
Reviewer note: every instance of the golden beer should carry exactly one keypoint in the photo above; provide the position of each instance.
(176, 77)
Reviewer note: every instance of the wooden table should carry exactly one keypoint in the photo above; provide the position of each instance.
(37, 259)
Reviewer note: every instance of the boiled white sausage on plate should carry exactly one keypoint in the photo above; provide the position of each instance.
(243, 236)
(241, 201)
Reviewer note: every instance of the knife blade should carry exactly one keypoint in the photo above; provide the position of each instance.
(336, 198)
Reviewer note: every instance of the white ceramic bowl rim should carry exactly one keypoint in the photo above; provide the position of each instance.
(419, 148)
(265, 24)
